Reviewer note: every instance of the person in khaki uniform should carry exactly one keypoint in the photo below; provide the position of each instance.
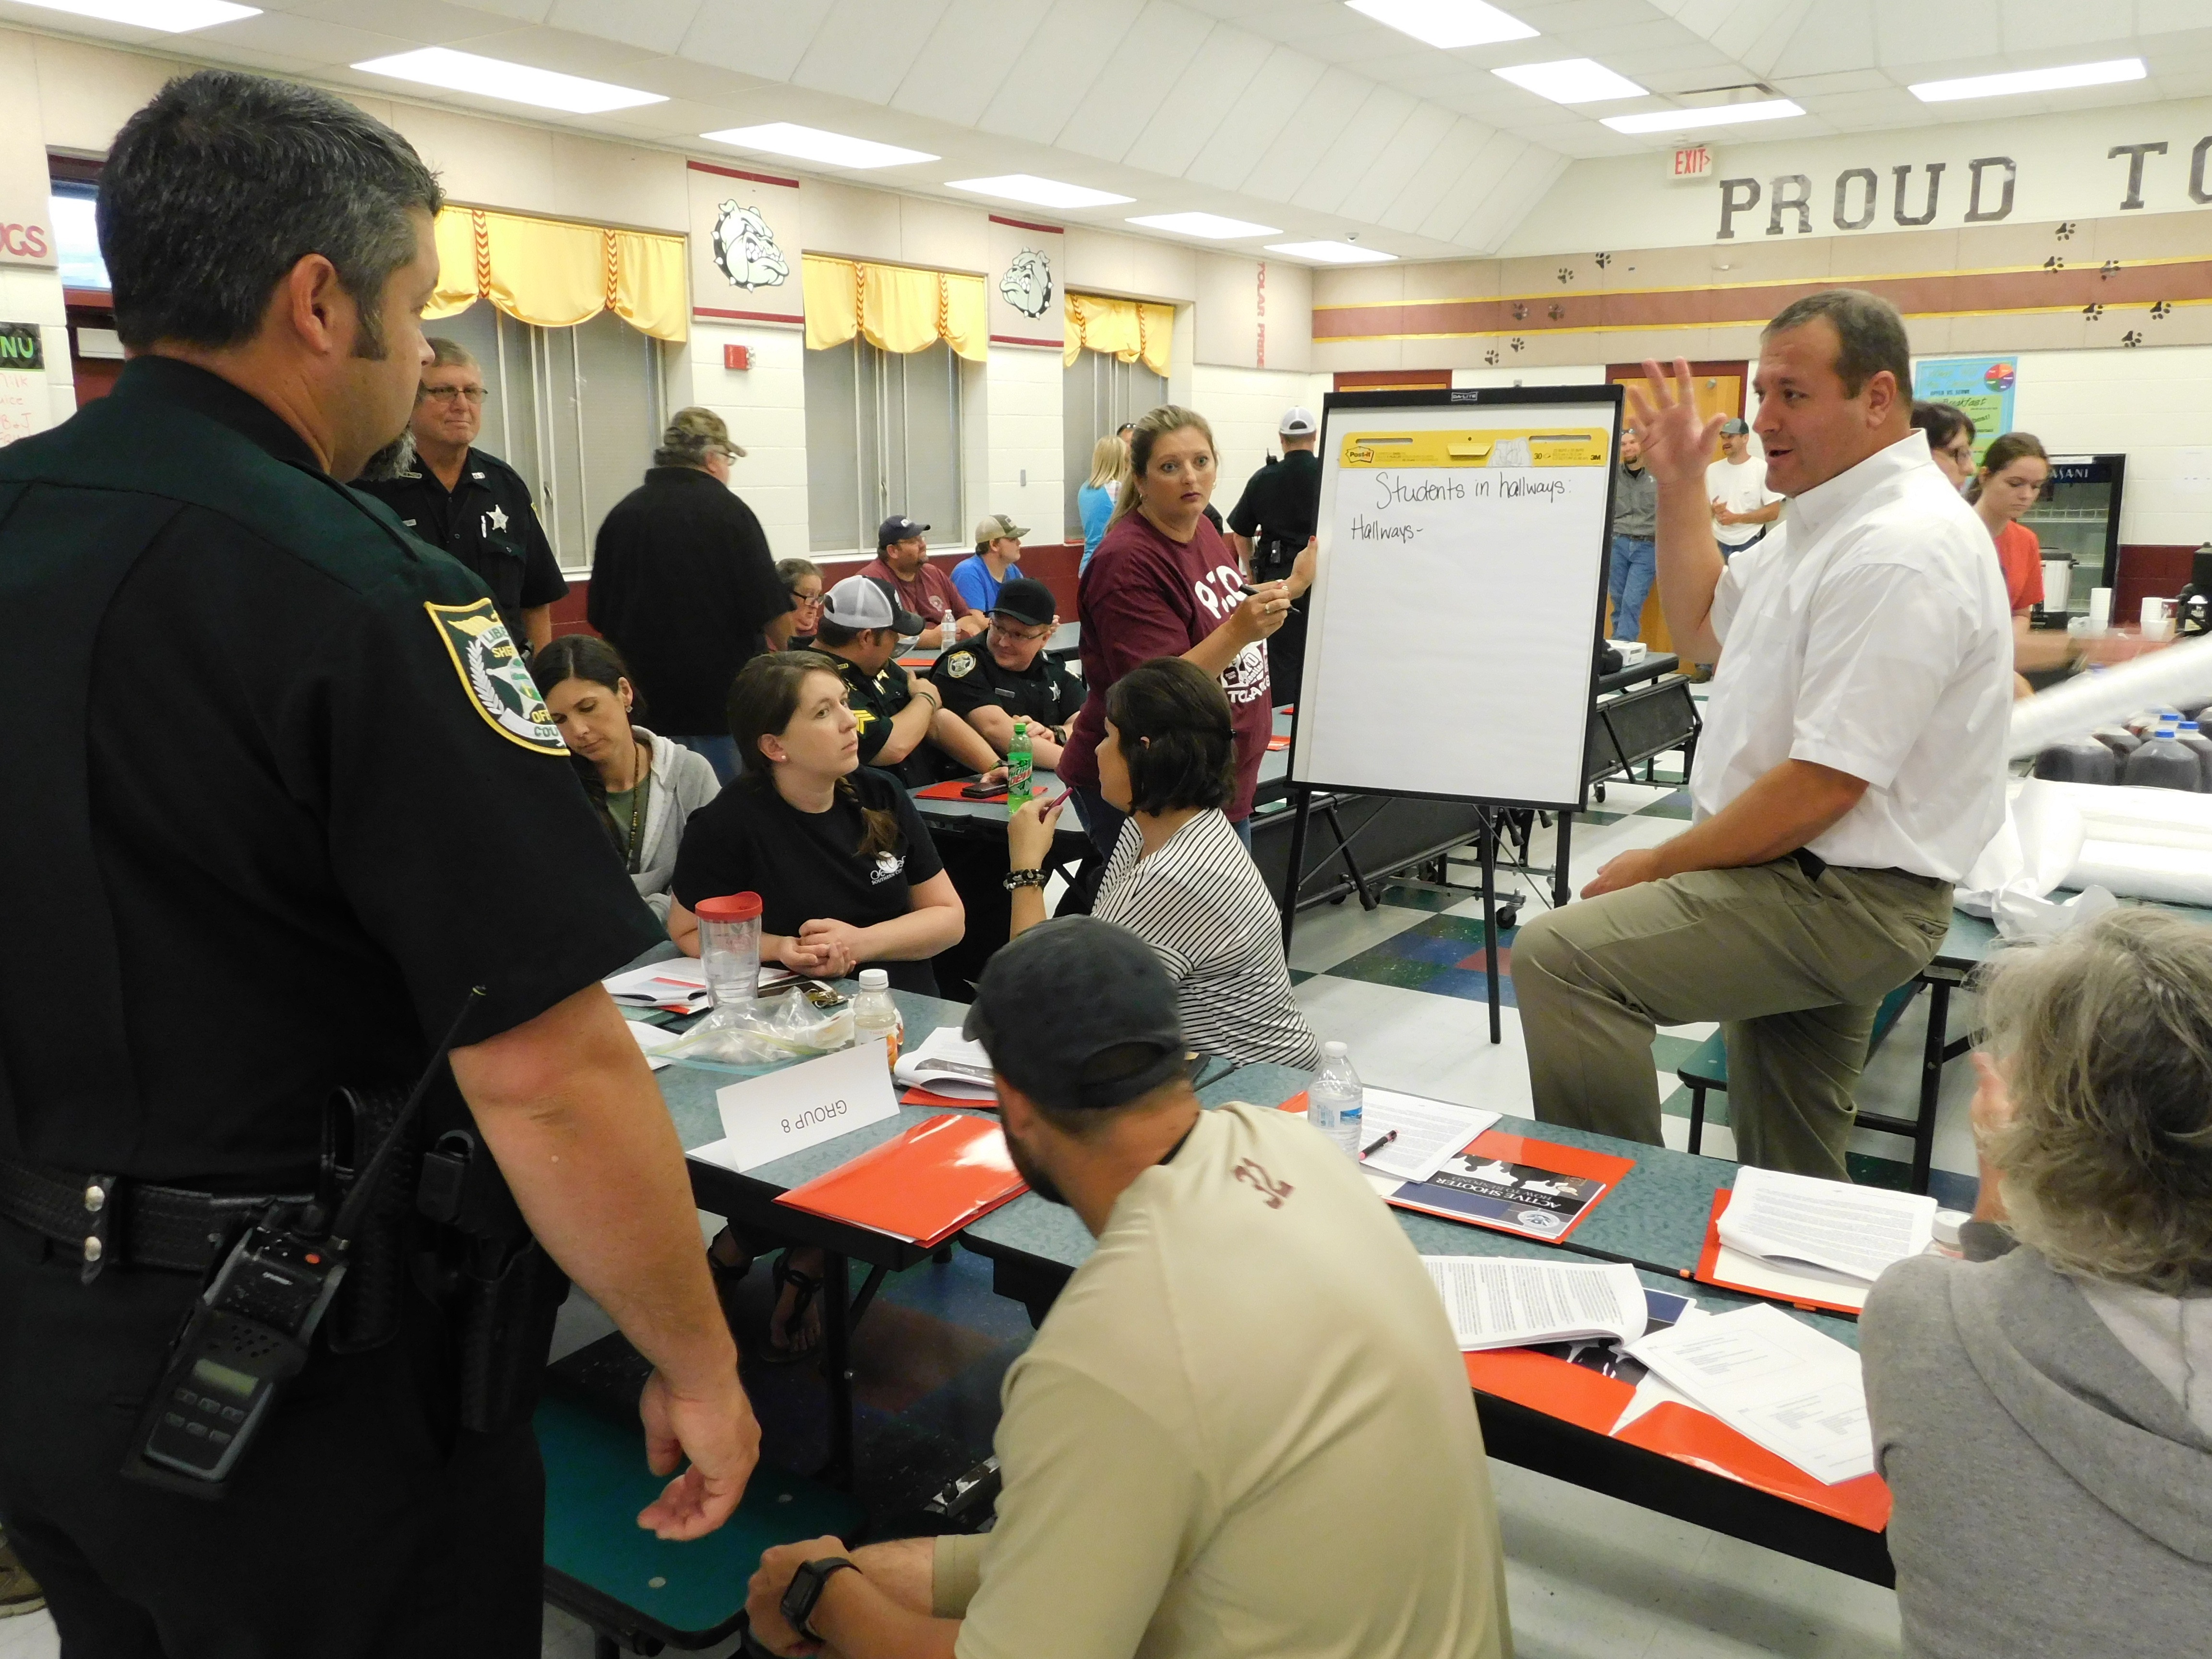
(1851, 769)
(1244, 1430)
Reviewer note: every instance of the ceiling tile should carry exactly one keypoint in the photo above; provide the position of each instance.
(967, 59)
(1135, 83)
(766, 37)
(1328, 110)
(1435, 174)
(1274, 100)
(1350, 161)
(1200, 101)
(657, 25)
(421, 23)
(1903, 37)
(1478, 181)
(309, 40)
(1065, 56)
(863, 47)
(2066, 28)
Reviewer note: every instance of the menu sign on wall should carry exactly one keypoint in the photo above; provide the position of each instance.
(25, 405)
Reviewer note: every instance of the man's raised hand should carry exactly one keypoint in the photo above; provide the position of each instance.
(1678, 442)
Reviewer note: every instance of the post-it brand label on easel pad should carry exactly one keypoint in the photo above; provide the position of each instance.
(766, 1118)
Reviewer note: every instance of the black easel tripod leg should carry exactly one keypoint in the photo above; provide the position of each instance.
(1560, 889)
(1367, 899)
(1294, 876)
(1490, 923)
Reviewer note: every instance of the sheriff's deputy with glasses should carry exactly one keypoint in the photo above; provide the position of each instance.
(473, 505)
(1006, 676)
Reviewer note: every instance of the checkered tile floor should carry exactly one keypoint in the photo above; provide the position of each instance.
(1404, 986)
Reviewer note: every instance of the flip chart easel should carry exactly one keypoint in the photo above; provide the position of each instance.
(1452, 640)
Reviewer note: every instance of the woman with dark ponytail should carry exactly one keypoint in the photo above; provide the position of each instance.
(847, 872)
(645, 787)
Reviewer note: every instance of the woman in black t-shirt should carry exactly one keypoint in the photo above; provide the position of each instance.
(846, 873)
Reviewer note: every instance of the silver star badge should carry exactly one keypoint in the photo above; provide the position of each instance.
(497, 518)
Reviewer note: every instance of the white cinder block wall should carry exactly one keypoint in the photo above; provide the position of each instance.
(1244, 406)
(1023, 474)
(31, 295)
(765, 407)
(2149, 405)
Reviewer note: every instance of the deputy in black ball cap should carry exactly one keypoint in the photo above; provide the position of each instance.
(904, 729)
(1006, 676)
(186, 545)
(1253, 1343)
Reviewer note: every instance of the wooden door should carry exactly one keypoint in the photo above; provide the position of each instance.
(1718, 389)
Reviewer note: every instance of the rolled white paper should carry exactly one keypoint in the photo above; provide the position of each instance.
(2179, 674)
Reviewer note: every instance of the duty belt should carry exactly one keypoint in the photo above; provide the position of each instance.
(107, 1220)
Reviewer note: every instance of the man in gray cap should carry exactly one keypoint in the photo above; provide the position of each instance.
(1736, 485)
(1271, 524)
(683, 585)
(1252, 1349)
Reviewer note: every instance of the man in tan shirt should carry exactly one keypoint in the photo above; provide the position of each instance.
(1244, 1429)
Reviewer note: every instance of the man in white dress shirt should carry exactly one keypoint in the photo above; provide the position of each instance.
(1850, 767)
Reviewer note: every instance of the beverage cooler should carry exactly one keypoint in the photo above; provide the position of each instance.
(2078, 523)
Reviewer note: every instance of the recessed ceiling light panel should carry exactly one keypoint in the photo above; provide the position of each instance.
(1211, 226)
(2043, 80)
(169, 16)
(814, 144)
(1445, 22)
(1332, 253)
(516, 83)
(1038, 192)
(1570, 81)
(1689, 120)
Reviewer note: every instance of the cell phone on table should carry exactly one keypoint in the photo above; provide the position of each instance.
(980, 790)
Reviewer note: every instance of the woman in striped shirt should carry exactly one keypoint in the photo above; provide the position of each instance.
(1179, 877)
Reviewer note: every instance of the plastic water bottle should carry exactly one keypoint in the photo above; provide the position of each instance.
(2190, 736)
(1336, 1099)
(876, 1015)
(1021, 768)
(948, 627)
(2162, 762)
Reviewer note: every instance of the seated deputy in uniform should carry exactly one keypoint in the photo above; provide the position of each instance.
(644, 788)
(472, 504)
(1253, 1352)
(1179, 878)
(904, 728)
(2043, 1416)
(1007, 677)
(847, 876)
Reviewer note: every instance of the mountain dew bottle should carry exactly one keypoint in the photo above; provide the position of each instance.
(1020, 769)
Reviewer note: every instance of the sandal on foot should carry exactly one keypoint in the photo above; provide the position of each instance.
(794, 1344)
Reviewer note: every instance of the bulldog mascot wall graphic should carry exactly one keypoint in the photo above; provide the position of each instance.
(746, 249)
(1027, 284)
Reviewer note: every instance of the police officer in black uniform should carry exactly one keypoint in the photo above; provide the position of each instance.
(294, 796)
(474, 505)
(902, 730)
(1273, 521)
(1006, 676)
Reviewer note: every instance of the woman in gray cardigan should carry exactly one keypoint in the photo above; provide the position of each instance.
(645, 787)
(2044, 1417)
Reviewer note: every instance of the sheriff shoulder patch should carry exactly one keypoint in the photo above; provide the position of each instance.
(495, 676)
(960, 665)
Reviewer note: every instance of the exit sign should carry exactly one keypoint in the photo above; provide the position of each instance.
(1694, 162)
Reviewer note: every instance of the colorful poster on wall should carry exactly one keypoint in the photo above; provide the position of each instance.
(744, 245)
(1981, 387)
(1027, 307)
(26, 405)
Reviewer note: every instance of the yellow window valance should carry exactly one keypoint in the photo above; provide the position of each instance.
(1126, 329)
(893, 308)
(556, 275)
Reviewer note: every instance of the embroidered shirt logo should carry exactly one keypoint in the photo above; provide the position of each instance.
(960, 664)
(1273, 1191)
(889, 867)
(495, 676)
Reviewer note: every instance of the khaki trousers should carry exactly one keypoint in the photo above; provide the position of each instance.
(1793, 968)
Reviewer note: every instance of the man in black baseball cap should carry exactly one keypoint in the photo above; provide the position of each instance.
(1253, 1343)
(903, 727)
(1006, 676)
(902, 560)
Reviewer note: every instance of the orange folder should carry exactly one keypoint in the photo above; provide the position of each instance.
(924, 1186)
(1708, 1269)
(1537, 1154)
(918, 1095)
(956, 790)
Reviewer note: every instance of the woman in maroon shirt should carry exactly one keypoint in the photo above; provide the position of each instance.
(1164, 584)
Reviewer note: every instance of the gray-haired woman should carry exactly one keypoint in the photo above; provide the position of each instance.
(2045, 1417)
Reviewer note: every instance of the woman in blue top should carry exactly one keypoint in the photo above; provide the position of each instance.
(1094, 502)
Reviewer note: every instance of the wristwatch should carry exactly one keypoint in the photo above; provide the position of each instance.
(805, 1593)
(1014, 878)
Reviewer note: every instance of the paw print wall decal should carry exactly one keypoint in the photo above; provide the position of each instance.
(1520, 312)
(1603, 260)
(1557, 311)
(2131, 338)
(1490, 356)
(2094, 310)
(2054, 262)
(2066, 231)
(2109, 269)
(1566, 274)
(1516, 343)
(2161, 311)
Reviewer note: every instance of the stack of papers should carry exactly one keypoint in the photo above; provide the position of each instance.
(1500, 1301)
(1810, 1240)
(947, 1064)
(1778, 1382)
(678, 984)
(1428, 1132)
(653, 1039)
